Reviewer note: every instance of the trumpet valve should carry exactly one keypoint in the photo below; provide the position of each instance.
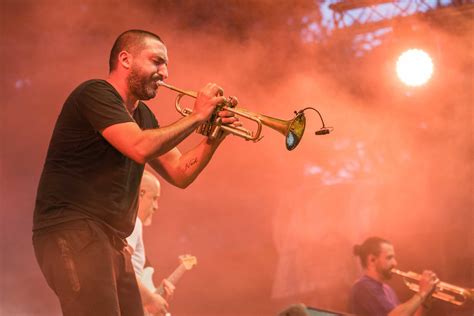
(204, 129)
(232, 101)
(215, 130)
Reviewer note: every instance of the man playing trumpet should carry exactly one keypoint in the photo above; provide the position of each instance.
(370, 295)
(87, 198)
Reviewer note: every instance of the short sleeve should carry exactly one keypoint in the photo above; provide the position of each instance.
(101, 105)
(134, 239)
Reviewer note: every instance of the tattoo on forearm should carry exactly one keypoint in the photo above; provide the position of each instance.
(191, 162)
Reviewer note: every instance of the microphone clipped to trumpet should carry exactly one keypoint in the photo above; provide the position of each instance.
(292, 129)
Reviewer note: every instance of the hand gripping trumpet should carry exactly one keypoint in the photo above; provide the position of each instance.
(292, 129)
(444, 291)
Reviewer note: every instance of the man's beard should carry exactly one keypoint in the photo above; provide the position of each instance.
(387, 274)
(142, 87)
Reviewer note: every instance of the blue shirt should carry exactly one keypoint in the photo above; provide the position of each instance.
(372, 298)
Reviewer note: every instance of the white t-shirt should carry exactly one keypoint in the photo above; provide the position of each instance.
(135, 240)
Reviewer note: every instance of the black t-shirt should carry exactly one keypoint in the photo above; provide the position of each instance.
(84, 176)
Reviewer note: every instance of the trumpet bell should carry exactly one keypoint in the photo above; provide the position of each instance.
(295, 131)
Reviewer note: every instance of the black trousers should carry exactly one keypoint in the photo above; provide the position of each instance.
(89, 270)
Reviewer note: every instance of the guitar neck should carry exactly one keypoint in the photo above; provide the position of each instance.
(173, 278)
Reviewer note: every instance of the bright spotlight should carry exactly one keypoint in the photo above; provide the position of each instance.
(414, 67)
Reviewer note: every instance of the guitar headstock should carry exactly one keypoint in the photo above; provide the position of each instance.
(188, 261)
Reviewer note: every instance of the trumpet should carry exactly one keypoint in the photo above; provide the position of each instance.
(443, 291)
(292, 129)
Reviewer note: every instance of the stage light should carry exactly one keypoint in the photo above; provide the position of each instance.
(414, 67)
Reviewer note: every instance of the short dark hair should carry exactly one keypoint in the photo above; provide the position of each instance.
(132, 41)
(371, 246)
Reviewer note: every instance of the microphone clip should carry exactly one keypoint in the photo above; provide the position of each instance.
(324, 130)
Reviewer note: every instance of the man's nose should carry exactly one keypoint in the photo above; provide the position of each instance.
(163, 71)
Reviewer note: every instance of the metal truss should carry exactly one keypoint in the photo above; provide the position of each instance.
(366, 22)
(359, 16)
(362, 12)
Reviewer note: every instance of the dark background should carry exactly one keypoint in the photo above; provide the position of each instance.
(268, 227)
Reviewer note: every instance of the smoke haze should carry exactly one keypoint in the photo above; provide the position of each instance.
(268, 227)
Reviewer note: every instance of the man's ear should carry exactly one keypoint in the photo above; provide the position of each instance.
(371, 259)
(125, 59)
